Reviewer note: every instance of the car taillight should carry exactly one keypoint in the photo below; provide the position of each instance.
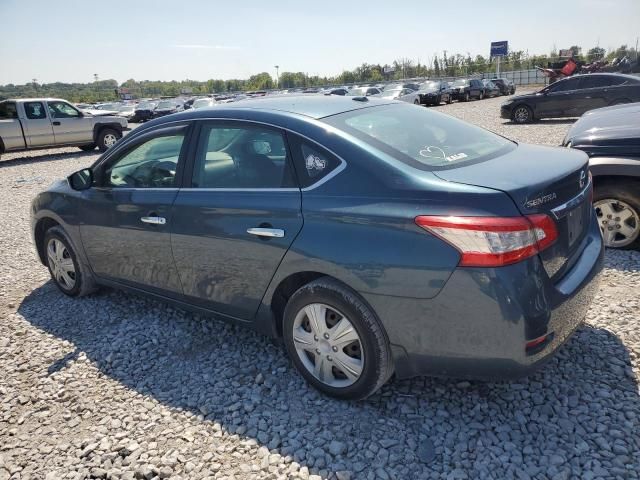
(493, 241)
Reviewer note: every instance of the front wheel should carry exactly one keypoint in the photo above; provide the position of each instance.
(481, 96)
(335, 341)
(467, 96)
(617, 207)
(449, 100)
(107, 138)
(68, 273)
(522, 114)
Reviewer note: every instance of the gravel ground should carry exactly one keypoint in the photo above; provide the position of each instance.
(118, 386)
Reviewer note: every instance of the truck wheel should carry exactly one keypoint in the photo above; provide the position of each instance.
(107, 138)
(617, 206)
(88, 148)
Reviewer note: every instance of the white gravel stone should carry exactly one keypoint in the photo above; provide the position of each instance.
(120, 386)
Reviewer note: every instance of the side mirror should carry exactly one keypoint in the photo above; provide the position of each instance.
(81, 180)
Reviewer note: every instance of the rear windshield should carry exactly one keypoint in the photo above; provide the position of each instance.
(421, 137)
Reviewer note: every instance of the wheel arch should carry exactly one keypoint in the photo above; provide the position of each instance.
(98, 127)
(40, 229)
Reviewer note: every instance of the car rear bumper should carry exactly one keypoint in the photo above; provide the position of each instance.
(479, 324)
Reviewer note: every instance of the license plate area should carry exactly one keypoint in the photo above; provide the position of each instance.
(575, 219)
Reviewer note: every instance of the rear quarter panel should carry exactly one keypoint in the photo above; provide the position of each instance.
(11, 135)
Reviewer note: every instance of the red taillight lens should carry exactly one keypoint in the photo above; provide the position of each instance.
(493, 241)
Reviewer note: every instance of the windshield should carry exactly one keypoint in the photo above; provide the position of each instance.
(203, 102)
(421, 138)
(166, 104)
(125, 108)
(146, 106)
(391, 93)
(430, 86)
(460, 83)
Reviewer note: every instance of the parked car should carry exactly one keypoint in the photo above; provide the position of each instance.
(409, 243)
(167, 107)
(203, 103)
(364, 91)
(464, 89)
(434, 93)
(144, 111)
(490, 89)
(126, 110)
(36, 123)
(337, 91)
(399, 93)
(573, 96)
(506, 86)
(611, 138)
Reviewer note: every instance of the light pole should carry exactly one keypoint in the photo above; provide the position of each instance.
(277, 67)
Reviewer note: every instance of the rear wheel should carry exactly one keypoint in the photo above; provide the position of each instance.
(617, 207)
(481, 96)
(335, 341)
(107, 138)
(449, 100)
(522, 114)
(467, 97)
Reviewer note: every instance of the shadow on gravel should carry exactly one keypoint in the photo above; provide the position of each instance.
(579, 414)
(45, 157)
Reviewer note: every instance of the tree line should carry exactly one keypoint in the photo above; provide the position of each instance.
(439, 65)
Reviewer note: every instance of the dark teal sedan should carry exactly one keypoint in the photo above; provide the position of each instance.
(374, 237)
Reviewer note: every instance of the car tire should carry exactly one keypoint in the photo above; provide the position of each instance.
(467, 96)
(88, 148)
(618, 197)
(481, 96)
(365, 355)
(449, 100)
(70, 275)
(522, 114)
(107, 138)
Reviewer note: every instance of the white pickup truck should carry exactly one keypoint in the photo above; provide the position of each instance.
(35, 123)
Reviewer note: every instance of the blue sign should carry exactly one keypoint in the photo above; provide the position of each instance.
(499, 49)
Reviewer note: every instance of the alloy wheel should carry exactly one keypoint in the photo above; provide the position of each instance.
(61, 264)
(328, 345)
(110, 140)
(619, 222)
(521, 115)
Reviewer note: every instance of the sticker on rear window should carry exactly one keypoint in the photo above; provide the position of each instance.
(433, 151)
(314, 162)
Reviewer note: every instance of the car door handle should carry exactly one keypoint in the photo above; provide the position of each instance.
(154, 220)
(56, 123)
(266, 232)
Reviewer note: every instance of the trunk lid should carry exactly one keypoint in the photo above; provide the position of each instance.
(540, 179)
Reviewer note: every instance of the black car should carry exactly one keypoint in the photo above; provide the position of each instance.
(464, 89)
(167, 107)
(490, 89)
(506, 86)
(573, 96)
(434, 93)
(336, 91)
(611, 138)
(144, 111)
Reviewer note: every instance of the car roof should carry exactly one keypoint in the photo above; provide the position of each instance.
(37, 99)
(307, 105)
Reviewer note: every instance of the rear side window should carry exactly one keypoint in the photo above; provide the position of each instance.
(34, 110)
(241, 156)
(420, 137)
(312, 162)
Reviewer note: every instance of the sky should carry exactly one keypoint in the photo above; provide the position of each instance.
(70, 40)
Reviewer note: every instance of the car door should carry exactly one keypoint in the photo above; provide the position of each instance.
(38, 131)
(559, 99)
(126, 218)
(596, 91)
(237, 219)
(69, 125)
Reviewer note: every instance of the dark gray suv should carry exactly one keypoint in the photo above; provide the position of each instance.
(374, 237)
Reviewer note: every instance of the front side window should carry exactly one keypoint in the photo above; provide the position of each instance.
(151, 164)
(34, 110)
(62, 110)
(564, 85)
(8, 110)
(241, 156)
(420, 137)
